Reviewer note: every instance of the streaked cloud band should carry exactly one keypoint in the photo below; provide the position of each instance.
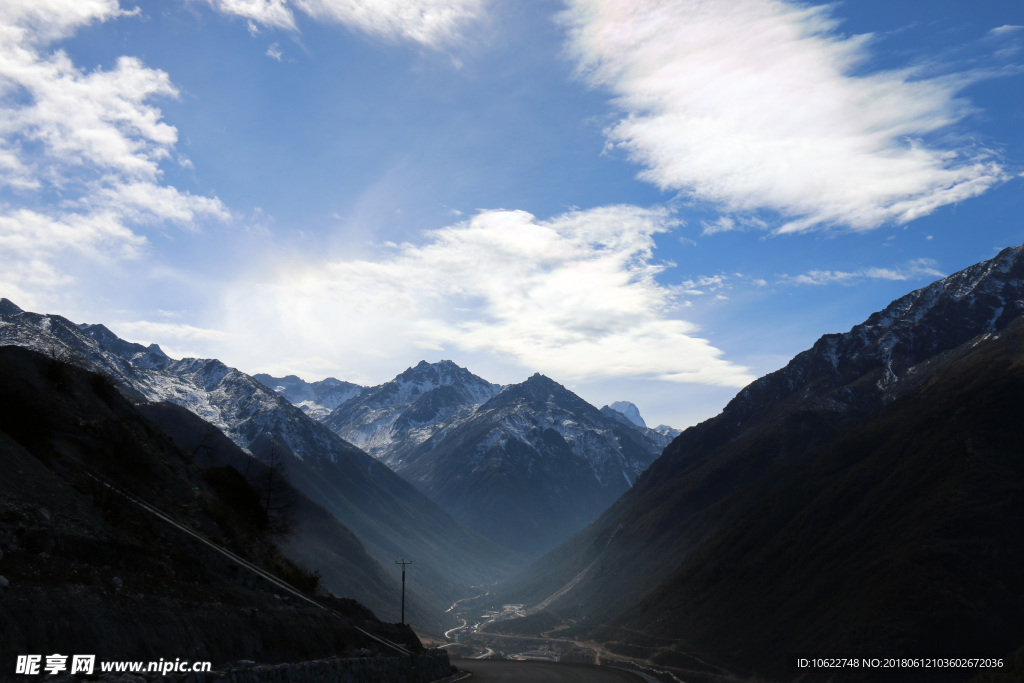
(434, 23)
(763, 105)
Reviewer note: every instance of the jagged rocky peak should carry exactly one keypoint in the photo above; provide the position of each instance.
(8, 307)
(151, 357)
(426, 377)
(630, 411)
(440, 373)
(667, 431)
(203, 365)
(539, 391)
(100, 333)
(538, 380)
(536, 387)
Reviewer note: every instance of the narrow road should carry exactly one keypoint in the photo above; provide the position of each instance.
(487, 670)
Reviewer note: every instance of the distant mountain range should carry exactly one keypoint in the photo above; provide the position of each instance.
(520, 467)
(316, 399)
(866, 498)
(526, 465)
(390, 517)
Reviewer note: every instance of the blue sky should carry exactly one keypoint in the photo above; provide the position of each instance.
(652, 200)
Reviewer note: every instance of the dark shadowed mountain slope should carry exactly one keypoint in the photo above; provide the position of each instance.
(391, 517)
(318, 541)
(868, 495)
(900, 535)
(88, 570)
(532, 465)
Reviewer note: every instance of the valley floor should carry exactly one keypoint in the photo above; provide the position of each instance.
(472, 642)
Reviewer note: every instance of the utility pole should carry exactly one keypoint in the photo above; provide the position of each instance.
(403, 563)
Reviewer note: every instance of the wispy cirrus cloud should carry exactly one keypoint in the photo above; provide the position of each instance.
(575, 296)
(917, 268)
(1006, 29)
(80, 151)
(434, 23)
(763, 105)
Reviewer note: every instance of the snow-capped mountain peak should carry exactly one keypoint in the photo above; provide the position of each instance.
(426, 377)
(630, 412)
(408, 409)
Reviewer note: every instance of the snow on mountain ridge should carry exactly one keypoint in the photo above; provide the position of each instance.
(536, 448)
(408, 410)
(316, 399)
(896, 347)
(526, 412)
(241, 407)
(426, 377)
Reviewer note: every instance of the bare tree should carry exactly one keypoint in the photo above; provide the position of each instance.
(205, 447)
(277, 496)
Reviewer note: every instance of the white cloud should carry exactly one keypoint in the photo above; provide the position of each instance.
(758, 104)
(917, 268)
(434, 23)
(142, 202)
(274, 13)
(28, 235)
(177, 340)
(704, 284)
(274, 52)
(574, 297)
(97, 119)
(80, 151)
(723, 224)
(430, 22)
(31, 283)
(44, 21)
